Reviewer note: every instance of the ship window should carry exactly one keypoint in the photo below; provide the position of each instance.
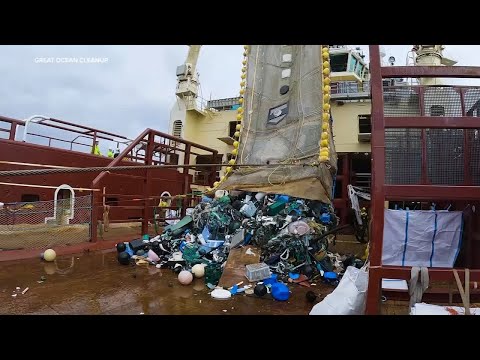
(359, 69)
(111, 201)
(338, 62)
(352, 64)
(364, 124)
(177, 128)
(30, 198)
(437, 110)
(232, 128)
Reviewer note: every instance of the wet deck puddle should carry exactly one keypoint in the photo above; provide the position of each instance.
(96, 284)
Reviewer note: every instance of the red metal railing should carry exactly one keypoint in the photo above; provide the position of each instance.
(383, 119)
(82, 131)
(159, 148)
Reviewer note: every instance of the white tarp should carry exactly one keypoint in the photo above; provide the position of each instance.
(421, 238)
(348, 298)
(429, 309)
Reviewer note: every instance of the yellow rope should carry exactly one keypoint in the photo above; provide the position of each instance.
(250, 112)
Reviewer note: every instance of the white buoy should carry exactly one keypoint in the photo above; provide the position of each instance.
(185, 277)
(198, 270)
(49, 255)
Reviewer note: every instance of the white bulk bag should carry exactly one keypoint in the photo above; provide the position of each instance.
(423, 238)
(348, 298)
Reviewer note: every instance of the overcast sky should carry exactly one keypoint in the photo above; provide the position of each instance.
(135, 88)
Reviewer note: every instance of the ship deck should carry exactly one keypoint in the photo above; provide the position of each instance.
(94, 283)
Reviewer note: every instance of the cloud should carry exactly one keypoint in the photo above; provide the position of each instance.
(135, 88)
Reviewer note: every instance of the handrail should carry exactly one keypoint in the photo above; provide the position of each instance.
(120, 157)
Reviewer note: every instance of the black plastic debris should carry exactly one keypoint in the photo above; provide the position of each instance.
(292, 234)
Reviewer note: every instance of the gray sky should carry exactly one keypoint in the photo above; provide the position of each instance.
(135, 88)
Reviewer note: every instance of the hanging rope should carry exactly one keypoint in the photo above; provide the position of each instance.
(122, 168)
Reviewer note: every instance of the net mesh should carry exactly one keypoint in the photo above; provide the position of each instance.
(283, 124)
(445, 148)
(44, 224)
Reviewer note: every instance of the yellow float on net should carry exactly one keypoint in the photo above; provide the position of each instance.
(325, 126)
(236, 144)
(238, 127)
(324, 143)
(326, 80)
(326, 106)
(237, 134)
(324, 135)
(231, 162)
(234, 152)
(239, 117)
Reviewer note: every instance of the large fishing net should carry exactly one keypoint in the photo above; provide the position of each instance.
(283, 124)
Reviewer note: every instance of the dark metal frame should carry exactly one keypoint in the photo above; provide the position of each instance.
(382, 192)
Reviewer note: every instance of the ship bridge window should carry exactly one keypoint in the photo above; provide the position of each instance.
(437, 110)
(359, 69)
(352, 64)
(338, 62)
(30, 198)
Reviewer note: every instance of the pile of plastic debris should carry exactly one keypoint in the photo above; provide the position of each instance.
(293, 235)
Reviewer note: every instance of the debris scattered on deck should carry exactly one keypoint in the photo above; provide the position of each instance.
(24, 291)
(271, 240)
